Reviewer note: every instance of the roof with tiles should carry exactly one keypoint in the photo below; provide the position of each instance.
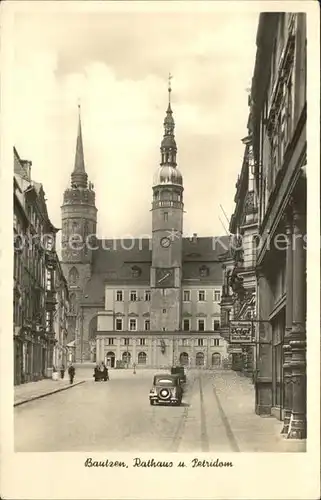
(127, 262)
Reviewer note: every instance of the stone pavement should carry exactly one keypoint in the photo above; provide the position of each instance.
(235, 399)
(36, 390)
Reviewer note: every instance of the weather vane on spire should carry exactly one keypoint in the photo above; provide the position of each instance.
(170, 76)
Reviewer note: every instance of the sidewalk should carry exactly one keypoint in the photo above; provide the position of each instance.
(252, 432)
(35, 390)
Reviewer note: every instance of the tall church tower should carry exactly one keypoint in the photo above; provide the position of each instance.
(167, 230)
(79, 221)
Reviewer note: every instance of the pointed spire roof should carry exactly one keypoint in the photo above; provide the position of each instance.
(168, 145)
(79, 176)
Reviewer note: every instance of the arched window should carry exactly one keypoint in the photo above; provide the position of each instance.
(183, 358)
(200, 359)
(73, 276)
(72, 303)
(142, 358)
(216, 359)
(126, 356)
(92, 328)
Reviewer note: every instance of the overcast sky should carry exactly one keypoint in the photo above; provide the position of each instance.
(117, 64)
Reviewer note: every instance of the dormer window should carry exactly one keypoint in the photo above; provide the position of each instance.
(204, 271)
(136, 272)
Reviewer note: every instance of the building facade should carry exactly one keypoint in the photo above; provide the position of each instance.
(60, 318)
(148, 302)
(35, 263)
(241, 279)
(278, 135)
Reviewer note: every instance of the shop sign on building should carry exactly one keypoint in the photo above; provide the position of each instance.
(241, 332)
(234, 349)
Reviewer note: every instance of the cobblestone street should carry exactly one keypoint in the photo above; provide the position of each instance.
(217, 414)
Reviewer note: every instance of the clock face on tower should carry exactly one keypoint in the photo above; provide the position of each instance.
(165, 242)
(164, 278)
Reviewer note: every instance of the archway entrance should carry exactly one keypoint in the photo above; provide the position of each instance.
(126, 357)
(200, 359)
(183, 359)
(216, 359)
(142, 358)
(110, 359)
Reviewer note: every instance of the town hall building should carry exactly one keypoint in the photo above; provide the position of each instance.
(144, 302)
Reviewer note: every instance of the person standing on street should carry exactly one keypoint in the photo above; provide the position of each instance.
(71, 373)
(62, 371)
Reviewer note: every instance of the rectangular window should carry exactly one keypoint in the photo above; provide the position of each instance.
(119, 296)
(185, 342)
(119, 324)
(201, 325)
(216, 342)
(48, 280)
(147, 324)
(133, 324)
(186, 295)
(133, 296)
(186, 325)
(216, 325)
(110, 341)
(200, 342)
(147, 295)
(142, 341)
(201, 295)
(217, 296)
(48, 321)
(126, 341)
(164, 311)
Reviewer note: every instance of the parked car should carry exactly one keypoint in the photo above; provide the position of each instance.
(166, 389)
(101, 373)
(179, 370)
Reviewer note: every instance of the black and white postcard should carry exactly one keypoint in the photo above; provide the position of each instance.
(160, 286)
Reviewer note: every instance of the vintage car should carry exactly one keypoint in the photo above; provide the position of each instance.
(166, 389)
(101, 373)
(179, 370)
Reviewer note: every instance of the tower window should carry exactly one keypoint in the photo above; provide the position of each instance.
(147, 324)
(201, 296)
(201, 325)
(147, 295)
(186, 325)
(119, 296)
(133, 296)
(165, 216)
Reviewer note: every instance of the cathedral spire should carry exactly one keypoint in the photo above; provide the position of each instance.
(79, 177)
(168, 145)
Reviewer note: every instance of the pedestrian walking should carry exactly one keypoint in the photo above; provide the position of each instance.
(54, 373)
(62, 371)
(71, 373)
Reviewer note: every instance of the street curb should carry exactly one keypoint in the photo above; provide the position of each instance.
(33, 398)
